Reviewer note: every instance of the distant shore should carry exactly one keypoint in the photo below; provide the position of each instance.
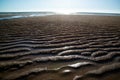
(14, 15)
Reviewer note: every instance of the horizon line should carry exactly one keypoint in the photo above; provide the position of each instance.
(63, 11)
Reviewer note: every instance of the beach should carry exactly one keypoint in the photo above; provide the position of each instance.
(60, 47)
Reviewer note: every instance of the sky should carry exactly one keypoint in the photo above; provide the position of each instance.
(111, 6)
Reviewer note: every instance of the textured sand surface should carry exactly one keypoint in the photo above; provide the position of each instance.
(60, 47)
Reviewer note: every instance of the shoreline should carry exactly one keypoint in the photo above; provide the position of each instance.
(17, 15)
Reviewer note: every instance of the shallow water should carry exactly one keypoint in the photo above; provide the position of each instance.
(14, 15)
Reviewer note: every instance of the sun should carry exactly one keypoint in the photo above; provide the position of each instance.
(64, 12)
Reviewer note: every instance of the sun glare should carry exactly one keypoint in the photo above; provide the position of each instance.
(64, 12)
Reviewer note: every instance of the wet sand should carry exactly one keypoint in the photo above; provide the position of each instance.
(60, 47)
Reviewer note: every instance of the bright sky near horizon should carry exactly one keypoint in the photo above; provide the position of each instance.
(112, 6)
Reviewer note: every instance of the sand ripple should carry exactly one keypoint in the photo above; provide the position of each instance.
(59, 47)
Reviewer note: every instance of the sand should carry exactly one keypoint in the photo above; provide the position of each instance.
(60, 47)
